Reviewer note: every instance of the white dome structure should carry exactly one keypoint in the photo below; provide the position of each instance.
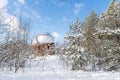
(43, 44)
(43, 38)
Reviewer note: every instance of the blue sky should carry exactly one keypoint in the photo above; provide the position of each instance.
(54, 16)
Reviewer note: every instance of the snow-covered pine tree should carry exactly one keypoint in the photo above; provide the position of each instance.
(109, 34)
(82, 36)
(73, 48)
(90, 42)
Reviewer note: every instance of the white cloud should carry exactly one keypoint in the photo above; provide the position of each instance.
(21, 1)
(3, 6)
(3, 3)
(8, 19)
(55, 34)
(77, 8)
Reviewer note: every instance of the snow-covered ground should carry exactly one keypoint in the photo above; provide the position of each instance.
(52, 68)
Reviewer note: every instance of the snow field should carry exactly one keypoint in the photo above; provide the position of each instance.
(51, 68)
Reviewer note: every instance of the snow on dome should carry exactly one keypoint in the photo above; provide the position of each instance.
(43, 38)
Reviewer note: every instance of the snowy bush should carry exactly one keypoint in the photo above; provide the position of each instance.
(14, 44)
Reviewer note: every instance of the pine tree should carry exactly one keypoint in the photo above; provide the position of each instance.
(109, 35)
(108, 18)
(90, 39)
(73, 48)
